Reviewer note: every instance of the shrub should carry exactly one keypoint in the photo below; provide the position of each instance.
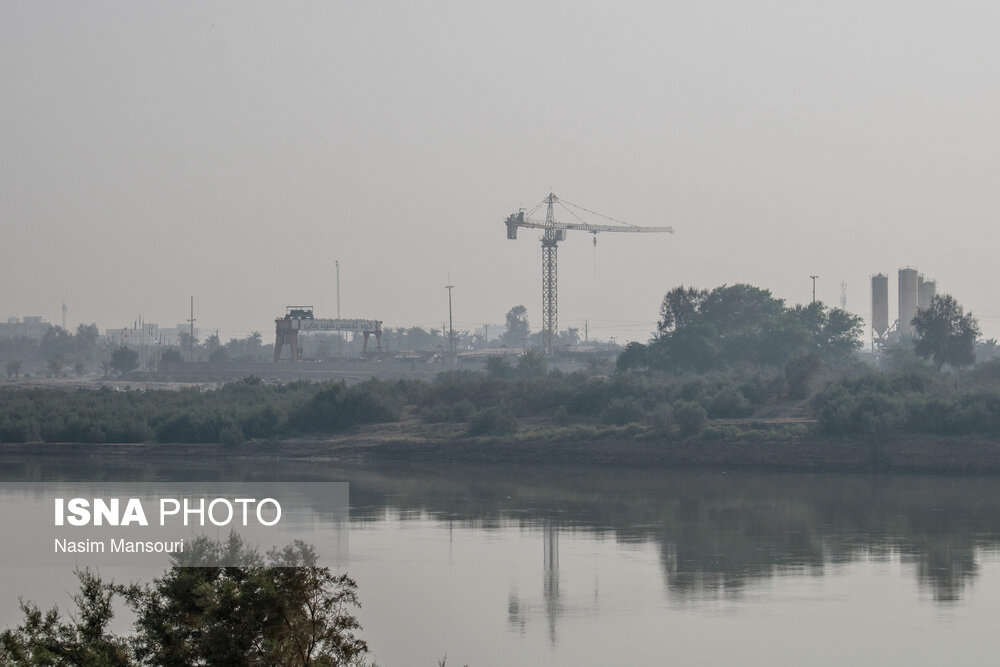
(493, 420)
(693, 390)
(462, 411)
(720, 432)
(632, 430)
(231, 435)
(661, 419)
(798, 371)
(582, 432)
(690, 417)
(621, 411)
(499, 368)
(754, 390)
(729, 403)
(590, 397)
(130, 431)
(562, 416)
(456, 412)
(435, 414)
(338, 407)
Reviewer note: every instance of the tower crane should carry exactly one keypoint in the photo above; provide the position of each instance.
(553, 232)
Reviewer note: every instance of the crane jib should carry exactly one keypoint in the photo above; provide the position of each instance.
(554, 232)
(515, 221)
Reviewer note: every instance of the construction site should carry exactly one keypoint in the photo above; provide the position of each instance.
(308, 345)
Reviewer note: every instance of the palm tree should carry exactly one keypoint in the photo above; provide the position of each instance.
(256, 343)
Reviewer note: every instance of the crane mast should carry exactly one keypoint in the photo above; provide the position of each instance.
(553, 232)
(550, 275)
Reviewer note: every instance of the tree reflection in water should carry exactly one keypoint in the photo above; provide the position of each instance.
(717, 532)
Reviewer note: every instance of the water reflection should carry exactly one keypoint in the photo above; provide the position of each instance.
(717, 533)
(518, 610)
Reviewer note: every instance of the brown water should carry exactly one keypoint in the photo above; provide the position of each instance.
(509, 566)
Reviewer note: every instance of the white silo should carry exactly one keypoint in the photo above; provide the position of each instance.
(880, 304)
(908, 294)
(926, 290)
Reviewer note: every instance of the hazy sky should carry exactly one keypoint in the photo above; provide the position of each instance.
(232, 151)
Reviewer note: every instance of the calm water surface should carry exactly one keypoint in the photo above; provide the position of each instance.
(536, 566)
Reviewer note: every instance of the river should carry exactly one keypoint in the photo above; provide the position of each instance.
(500, 565)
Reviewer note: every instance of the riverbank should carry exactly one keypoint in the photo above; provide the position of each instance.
(941, 455)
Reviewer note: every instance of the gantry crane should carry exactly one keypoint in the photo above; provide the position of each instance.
(553, 233)
(300, 319)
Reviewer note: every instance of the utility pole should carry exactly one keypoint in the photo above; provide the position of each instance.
(451, 327)
(486, 335)
(340, 334)
(191, 339)
(814, 287)
(586, 331)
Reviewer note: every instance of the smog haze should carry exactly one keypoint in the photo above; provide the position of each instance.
(232, 151)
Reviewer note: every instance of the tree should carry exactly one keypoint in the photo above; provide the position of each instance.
(124, 360)
(737, 307)
(679, 308)
(45, 638)
(186, 341)
(255, 344)
(702, 330)
(13, 368)
(171, 355)
(283, 610)
(56, 341)
(570, 336)
(987, 349)
(517, 327)
(945, 333)
(635, 355)
(87, 334)
(531, 363)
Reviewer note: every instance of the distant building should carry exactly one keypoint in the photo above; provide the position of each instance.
(146, 338)
(148, 333)
(172, 337)
(33, 327)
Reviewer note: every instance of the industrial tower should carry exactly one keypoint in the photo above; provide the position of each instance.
(553, 233)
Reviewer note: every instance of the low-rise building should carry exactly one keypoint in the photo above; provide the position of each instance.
(33, 327)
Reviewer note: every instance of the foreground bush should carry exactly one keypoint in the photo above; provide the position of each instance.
(282, 610)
